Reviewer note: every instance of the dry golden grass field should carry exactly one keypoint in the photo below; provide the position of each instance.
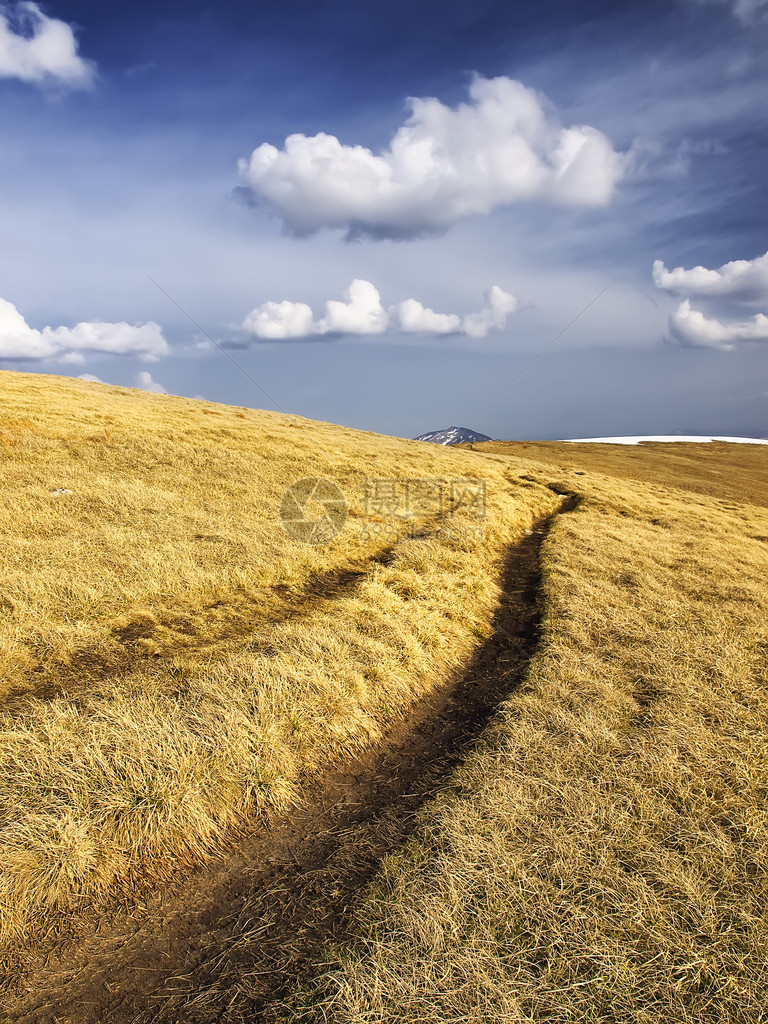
(176, 665)
(171, 656)
(604, 855)
(726, 471)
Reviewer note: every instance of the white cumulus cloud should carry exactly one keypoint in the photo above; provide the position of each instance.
(691, 327)
(145, 382)
(498, 306)
(411, 317)
(505, 145)
(363, 313)
(20, 341)
(280, 320)
(35, 48)
(739, 279)
(90, 378)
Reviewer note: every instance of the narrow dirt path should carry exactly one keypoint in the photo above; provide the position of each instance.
(224, 943)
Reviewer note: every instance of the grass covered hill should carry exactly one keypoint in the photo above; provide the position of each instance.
(173, 660)
(177, 664)
(601, 856)
(735, 472)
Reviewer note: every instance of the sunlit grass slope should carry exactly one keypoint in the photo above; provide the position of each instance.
(603, 856)
(731, 472)
(172, 659)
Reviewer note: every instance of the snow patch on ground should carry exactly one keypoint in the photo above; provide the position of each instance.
(690, 438)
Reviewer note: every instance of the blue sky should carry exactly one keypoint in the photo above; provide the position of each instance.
(460, 183)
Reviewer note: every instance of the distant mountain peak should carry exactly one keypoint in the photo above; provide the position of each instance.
(454, 435)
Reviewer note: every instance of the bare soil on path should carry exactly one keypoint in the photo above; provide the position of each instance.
(227, 941)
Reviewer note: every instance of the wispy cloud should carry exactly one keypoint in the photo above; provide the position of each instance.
(363, 313)
(746, 11)
(506, 145)
(37, 48)
(749, 11)
(20, 341)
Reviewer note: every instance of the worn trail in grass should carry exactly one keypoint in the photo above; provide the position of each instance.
(226, 943)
